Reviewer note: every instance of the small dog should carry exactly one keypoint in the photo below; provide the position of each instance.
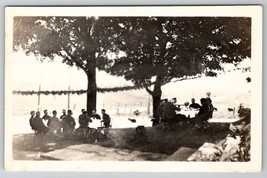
(132, 120)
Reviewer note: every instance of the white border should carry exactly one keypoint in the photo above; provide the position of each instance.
(255, 12)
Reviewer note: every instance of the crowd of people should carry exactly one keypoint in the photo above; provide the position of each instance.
(169, 112)
(65, 124)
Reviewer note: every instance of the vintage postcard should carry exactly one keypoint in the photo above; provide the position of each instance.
(133, 88)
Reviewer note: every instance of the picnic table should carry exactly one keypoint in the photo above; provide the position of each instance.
(192, 113)
(188, 113)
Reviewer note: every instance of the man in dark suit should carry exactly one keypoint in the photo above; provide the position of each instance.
(203, 114)
(105, 118)
(46, 117)
(68, 123)
(194, 105)
(94, 115)
(38, 125)
(84, 119)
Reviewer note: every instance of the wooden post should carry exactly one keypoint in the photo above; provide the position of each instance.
(69, 97)
(69, 88)
(39, 98)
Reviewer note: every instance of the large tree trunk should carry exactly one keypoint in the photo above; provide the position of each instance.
(156, 96)
(156, 102)
(91, 88)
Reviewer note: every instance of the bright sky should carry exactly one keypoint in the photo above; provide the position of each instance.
(26, 73)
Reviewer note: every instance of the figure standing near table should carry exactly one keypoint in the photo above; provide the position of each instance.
(211, 108)
(105, 118)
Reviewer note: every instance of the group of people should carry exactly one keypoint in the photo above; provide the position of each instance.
(169, 112)
(65, 124)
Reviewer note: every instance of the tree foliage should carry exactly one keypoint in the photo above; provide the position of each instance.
(177, 47)
(145, 50)
(159, 49)
(79, 41)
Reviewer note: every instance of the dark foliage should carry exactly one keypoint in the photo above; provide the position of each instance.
(145, 50)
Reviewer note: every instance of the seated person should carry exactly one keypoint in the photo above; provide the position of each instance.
(46, 116)
(63, 114)
(203, 114)
(31, 119)
(94, 115)
(176, 107)
(186, 106)
(105, 118)
(68, 123)
(38, 125)
(170, 110)
(84, 119)
(54, 123)
(194, 105)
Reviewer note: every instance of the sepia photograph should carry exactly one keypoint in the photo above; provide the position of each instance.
(163, 88)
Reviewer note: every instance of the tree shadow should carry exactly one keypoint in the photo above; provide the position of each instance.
(28, 146)
(167, 142)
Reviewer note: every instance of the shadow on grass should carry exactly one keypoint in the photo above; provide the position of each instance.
(28, 146)
(167, 142)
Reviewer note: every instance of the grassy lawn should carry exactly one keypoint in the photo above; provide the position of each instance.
(29, 146)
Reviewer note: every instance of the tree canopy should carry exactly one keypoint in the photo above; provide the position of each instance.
(178, 47)
(145, 50)
(80, 41)
(159, 49)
